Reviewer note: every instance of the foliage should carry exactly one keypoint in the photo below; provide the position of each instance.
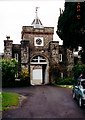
(9, 69)
(24, 73)
(69, 27)
(65, 81)
(9, 99)
(78, 70)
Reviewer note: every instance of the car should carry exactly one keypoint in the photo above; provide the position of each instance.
(79, 92)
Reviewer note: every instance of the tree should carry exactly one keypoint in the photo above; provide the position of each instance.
(71, 25)
(78, 70)
(9, 69)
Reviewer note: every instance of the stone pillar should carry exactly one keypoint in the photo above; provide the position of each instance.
(54, 52)
(8, 48)
(25, 62)
(24, 52)
(54, 60)
(70, 62)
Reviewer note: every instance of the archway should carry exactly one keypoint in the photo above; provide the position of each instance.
(39, 70)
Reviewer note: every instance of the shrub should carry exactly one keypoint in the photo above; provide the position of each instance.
(65, 81)
(25, 77)
(24, 73)
(9, 68)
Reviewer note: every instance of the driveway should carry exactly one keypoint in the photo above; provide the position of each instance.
(46, 102)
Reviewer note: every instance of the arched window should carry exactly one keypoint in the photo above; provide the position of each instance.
(38, 59)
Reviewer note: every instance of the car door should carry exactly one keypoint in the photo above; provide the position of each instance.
(77, 90)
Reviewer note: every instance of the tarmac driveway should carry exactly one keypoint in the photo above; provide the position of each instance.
(46, 102)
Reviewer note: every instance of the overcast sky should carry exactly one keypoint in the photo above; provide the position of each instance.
(15, 14)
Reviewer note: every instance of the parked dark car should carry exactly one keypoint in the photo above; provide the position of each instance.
(79, 92)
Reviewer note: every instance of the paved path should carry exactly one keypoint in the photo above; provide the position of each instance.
(46, 102)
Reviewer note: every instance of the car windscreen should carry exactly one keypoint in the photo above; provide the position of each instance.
(83, 84)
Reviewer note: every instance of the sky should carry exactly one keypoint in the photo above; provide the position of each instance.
(15, 14)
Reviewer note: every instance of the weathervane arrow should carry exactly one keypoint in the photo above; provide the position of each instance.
(36, 9)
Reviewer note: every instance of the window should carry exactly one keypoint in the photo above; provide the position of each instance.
(61, 75)
(38, 59)
(60, 57)
(16, 56)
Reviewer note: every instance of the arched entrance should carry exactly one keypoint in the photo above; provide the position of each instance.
(39, 70)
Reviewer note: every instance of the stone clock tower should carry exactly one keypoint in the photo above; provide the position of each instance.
(37, 52)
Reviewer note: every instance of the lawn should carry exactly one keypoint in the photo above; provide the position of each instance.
(66, 86)
(0, 101)
(8, 99)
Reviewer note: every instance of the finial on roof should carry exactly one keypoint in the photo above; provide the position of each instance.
(8, 37)
(36, 9)
(36, 22)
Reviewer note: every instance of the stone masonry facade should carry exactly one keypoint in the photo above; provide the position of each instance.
(55, 54)
(37, 52)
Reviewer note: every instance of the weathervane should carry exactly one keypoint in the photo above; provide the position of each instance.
(36, 9)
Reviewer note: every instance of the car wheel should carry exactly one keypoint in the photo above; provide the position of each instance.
(74, 96)
(80, 102)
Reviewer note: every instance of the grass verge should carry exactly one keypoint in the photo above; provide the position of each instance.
(9, 99)
(0, 101)
(66, 86)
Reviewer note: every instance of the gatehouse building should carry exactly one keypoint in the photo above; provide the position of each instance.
(44, 58)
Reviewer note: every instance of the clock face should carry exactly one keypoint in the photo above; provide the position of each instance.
(38, 41)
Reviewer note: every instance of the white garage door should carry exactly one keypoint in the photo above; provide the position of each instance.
(37, 76)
